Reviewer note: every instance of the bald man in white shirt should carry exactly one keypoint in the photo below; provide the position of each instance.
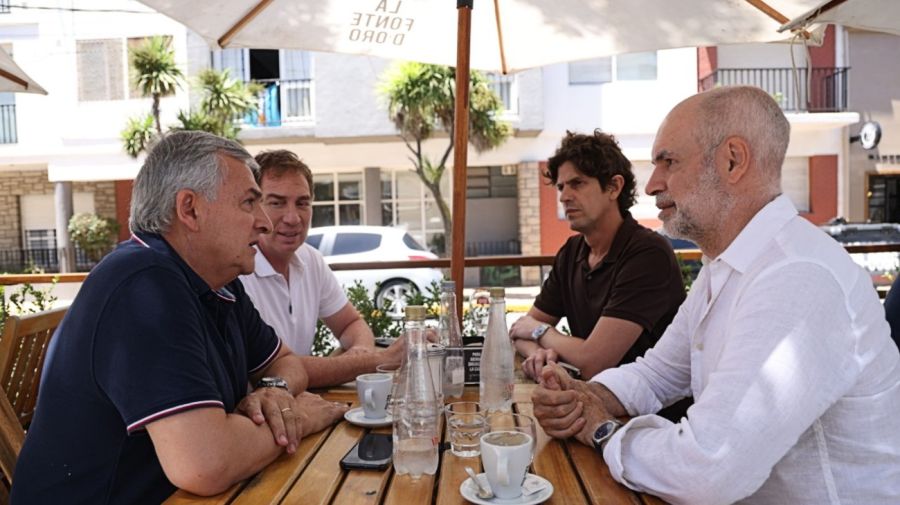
(782, 340)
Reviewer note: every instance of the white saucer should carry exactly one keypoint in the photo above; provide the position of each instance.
(357, 416)
(469, 492)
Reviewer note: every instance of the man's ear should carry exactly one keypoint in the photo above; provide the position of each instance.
(736, 153)
(615, 185)
(188, 209)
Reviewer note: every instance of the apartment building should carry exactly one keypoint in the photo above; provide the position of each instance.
(326, 108)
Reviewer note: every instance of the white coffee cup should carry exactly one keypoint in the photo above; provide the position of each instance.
(505, 456)
(373, 390)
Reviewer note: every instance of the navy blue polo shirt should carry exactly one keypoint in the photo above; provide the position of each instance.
(145, 338)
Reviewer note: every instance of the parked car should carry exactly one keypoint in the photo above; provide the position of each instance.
(349, 244)
(881, 265)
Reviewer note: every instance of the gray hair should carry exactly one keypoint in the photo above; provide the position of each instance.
(180, 160)
(752, 114)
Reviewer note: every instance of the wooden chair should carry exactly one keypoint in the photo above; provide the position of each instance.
(22, 350)
(11, 438)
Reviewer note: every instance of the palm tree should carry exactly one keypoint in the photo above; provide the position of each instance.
(224, 99)
(420, 101)
(156, 73)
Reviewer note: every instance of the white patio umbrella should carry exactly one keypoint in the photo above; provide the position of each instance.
(506, 36)
(872, 15)
(14, 79)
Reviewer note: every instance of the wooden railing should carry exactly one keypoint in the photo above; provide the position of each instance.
(481, 261)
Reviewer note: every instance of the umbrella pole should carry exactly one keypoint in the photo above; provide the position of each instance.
(460, 148)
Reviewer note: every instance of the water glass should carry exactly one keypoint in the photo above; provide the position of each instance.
(465, 425)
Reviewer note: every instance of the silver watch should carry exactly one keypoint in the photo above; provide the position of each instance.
(603, 433)
(539, 331)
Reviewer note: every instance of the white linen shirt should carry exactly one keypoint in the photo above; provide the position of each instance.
(784, 345)
(294, 309)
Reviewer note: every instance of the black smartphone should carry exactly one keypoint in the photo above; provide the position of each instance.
(372, 452)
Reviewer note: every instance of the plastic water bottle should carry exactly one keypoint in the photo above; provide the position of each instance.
(451, 339)
(415, 407)
(497, 374)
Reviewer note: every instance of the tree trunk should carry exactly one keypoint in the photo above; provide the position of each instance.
(445, 213)
(155, 111)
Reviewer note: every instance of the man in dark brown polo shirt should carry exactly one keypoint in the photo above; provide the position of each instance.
(617, 283)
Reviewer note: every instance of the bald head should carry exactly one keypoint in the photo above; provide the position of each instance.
(747, 112)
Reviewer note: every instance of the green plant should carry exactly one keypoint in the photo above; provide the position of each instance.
(689, 270)
(323, 341)
(95, 235)
(155, 72)
(27, 299)
(430, 299)
(138, 135)
(420, 101)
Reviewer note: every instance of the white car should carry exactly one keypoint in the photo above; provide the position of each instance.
(349, 244)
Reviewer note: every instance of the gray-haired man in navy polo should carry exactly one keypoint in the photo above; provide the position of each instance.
(145, 384)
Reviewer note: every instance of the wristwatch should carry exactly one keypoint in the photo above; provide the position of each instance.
(273, 382)
(603, 433)
(539, 331)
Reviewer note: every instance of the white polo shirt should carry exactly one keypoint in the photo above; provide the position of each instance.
(313, 294)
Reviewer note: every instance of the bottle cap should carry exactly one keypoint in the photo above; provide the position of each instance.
(415, 312)
(448, 286)
(498, 292)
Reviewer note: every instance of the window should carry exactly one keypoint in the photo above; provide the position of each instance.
(507, 89)
(314, 240)
(4, 6)
(286, 80)
(352, 243)
(102, 65)
(491, 182)
(101, 73)
(407, 203)
(337, 199)
(40, 239)
(411, 242)
(624, 67)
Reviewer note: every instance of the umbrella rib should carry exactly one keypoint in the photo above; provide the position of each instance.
(809, 16)
(14, 78)
(225, 39)
(768, 10)
(500, 36)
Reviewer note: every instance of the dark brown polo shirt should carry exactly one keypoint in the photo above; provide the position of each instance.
(639, 280)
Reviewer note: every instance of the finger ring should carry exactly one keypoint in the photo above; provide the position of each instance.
(286, 409)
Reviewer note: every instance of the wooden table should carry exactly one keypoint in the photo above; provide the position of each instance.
(313, 475)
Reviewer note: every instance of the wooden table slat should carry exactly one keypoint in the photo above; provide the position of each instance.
(552, 463)
(323, 474)
(593, 473)
(452, 475)
(271, 486)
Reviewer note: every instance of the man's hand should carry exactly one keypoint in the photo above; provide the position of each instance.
(534, 363)
(394, 353)
(558, 411)
(275, 406)
(523, 327)
(315, 414)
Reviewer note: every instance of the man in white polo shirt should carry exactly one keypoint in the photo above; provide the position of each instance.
(292, 286)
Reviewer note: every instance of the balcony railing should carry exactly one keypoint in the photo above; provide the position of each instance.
(8, 128)
(827, 86)
(282, 102)
(47, 259)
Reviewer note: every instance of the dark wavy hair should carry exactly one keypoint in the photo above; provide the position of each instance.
(279, 162)
(598, 156)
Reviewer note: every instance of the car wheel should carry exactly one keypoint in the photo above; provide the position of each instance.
(395, 292)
